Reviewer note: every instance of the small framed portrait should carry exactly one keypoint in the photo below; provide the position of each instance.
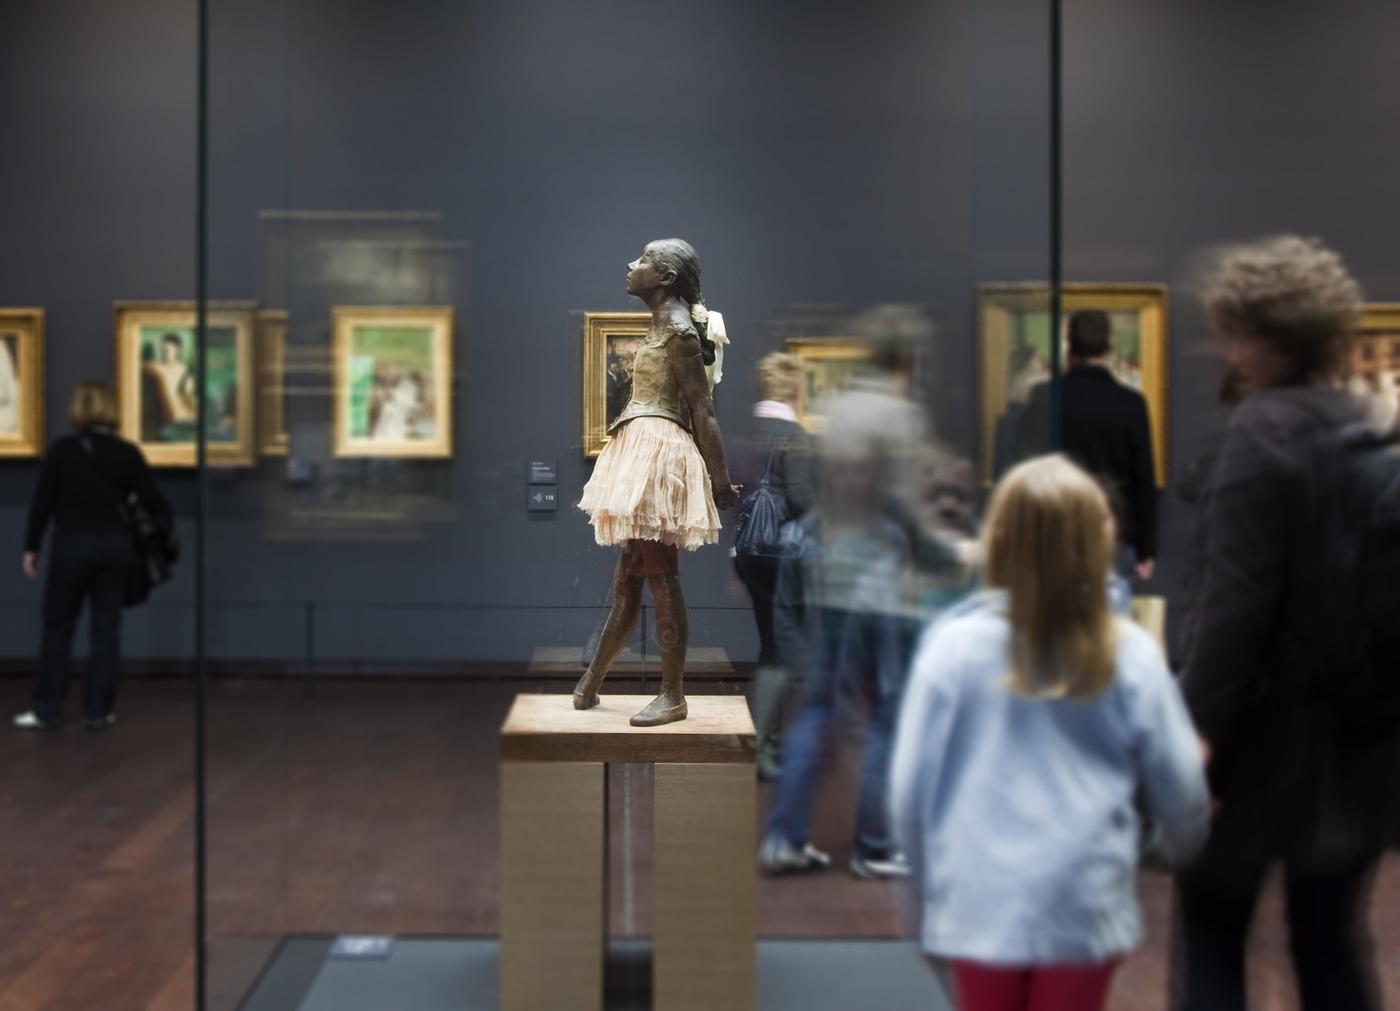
(1015, 344)
(828, 366)
(393, 381)
(610, 343)
(1374, 371)
(21, 382)
(157, 364)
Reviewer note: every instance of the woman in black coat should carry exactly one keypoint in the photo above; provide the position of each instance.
(92, 556)
(776, 444)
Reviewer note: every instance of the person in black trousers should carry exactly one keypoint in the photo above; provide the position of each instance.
(774, 432)
(1105, 430)
(92, 554)
(1297, 784)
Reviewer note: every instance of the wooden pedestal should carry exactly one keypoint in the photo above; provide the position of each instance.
(554, 852)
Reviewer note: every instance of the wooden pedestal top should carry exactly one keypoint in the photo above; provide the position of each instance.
(547, 728)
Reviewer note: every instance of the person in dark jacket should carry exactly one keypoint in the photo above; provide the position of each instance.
(84, 477)
(1105, 430)
(1294, 785)
(774, 443)
(1191, 486)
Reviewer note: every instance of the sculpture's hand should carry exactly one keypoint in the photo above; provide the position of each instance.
(726, 496)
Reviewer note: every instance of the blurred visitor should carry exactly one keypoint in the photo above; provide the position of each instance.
(877, 407)
(1298, 781)
(1104, 428)
(84, 479)
(945, 519)
(845, 612)
(840, 619)
(1033, 717)
(771, 458)
(878, 410)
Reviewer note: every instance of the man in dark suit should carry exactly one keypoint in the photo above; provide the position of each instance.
(1105, 430)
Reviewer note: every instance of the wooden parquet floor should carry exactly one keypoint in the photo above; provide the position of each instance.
(367, 807)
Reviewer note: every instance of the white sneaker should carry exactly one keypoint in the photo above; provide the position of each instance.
(110, 720)
(896, 865)
(778, 856)
(30, 721)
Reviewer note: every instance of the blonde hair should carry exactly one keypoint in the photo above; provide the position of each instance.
(780, 377)
(92, 404)
(1048, 542)
(1291, 291)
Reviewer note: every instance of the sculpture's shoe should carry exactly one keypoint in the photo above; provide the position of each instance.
(660, 711)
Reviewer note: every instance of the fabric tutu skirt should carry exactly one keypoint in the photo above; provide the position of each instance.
(650, 484)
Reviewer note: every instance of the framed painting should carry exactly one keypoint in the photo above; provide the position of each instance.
(828, 366)
(1014, 338)
(393, 381)
(21, 382)
(271, 362)
(1375, 360)
(610, 342)
(157, 364)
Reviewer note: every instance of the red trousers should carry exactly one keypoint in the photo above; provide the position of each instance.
(1033, 988)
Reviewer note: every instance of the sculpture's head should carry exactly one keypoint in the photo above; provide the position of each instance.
(672, 264)
(666, 263)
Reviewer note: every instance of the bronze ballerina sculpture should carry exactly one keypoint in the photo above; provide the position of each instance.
(660, 482)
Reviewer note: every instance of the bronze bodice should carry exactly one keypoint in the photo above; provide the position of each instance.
(656, 391)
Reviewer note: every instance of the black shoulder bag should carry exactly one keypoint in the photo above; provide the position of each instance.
(154, 539)
(762, 514)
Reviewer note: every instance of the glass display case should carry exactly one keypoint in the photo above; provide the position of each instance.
(356, 275)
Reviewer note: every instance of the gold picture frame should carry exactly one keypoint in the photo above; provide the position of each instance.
(609, 340)
(1375, 349)
(21, 383)
(271, 359)
(828, 363)
(393, 381)
(155, 370)
(1018, 313)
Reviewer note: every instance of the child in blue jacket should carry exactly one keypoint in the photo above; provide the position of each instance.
(1032, 720)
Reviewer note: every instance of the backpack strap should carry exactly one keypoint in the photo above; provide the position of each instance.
(772, 455)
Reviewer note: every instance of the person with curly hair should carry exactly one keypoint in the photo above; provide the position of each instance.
(1294, 787)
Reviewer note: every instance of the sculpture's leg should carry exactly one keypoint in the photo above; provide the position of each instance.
(622, 621)
(673, 633)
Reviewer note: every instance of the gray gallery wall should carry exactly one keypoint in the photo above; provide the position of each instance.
(823, 157)
(1194, 123)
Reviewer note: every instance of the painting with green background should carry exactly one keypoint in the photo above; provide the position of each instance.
(404, 348)
(168, 390)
